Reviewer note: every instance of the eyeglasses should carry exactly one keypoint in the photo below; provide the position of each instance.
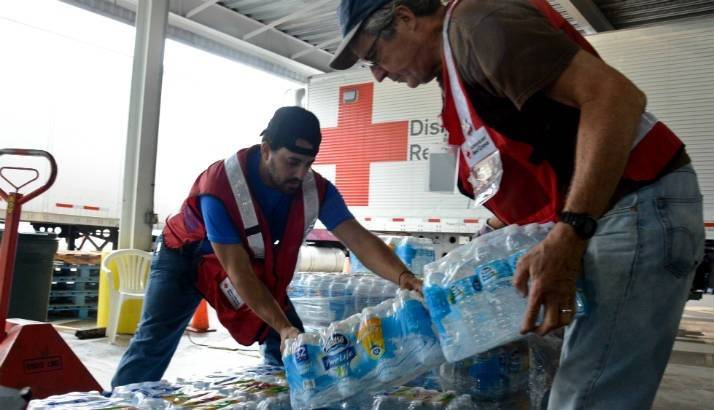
(371, 58)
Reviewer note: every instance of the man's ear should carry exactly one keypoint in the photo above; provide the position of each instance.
(265, 151)
(406, 16)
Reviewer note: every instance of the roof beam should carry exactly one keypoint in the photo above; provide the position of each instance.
(317, 47)
(200, 8)
(587, 15)
(220, 30)
(285, 19)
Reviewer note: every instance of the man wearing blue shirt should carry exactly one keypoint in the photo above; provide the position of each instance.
(236, 241)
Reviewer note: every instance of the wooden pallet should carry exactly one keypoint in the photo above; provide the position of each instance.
(79, 257)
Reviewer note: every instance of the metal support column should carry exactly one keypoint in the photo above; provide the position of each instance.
(137, 216)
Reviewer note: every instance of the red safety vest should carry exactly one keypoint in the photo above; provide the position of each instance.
(529, 192)
(273, 264)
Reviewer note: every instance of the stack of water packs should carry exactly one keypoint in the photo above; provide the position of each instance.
(386, 345)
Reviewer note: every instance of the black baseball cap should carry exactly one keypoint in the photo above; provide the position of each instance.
(352, 14)
(290, 124)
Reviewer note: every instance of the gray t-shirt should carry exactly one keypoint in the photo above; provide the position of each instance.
(508, 47)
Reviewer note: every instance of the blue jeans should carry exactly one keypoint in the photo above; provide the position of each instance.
(170, 301)
(638, 269)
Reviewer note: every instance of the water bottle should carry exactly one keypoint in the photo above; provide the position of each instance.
(519, 240)
(371, 341)
(389, 290)
(302, 364)
(423, 255)
(406, 251)
(477, 325)
(361, 293)
(416, 333)
(350, 288)
(442, 313)
(506, 305)
(337, 290)
(531, 235)
(339, 349)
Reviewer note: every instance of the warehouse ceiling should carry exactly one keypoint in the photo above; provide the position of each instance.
(296, 38)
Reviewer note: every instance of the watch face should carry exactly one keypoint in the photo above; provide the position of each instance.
(584, 225)
(588, 227)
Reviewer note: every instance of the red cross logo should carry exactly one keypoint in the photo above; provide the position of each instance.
(356, 142)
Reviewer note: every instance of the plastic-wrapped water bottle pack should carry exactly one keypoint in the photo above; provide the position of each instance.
(414, 252)
(416, 398)
(470, 295)
(498, 376)
(323, 298)
(386, 345)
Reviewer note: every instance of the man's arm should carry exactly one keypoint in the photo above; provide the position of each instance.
(235, 261)
(375, 254)
(610, 108)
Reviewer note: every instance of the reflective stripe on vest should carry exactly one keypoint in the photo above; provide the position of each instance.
(311, 202)
(244, 202)
(469, 125)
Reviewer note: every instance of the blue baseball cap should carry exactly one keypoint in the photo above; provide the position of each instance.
(352, 14)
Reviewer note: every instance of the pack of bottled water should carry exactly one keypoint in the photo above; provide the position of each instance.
(383, 346)
(323, 298)
(414, 252)
(499, 375)
(416, 398)
(470, 295)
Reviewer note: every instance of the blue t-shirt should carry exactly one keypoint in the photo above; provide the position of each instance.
(274, 204)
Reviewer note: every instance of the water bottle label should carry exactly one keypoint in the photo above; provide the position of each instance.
(464, 288)
(496, 274)
(371, 338)
(302, 358)
(338, 354)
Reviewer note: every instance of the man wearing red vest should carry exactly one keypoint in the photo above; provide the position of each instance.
(550, 132)
(236, 241)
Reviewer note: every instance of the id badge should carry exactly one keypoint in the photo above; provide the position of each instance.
(484, 161)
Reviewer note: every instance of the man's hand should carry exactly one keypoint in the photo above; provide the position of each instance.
(552, 268)
(410, 282)
(373, 252)
(287, 333)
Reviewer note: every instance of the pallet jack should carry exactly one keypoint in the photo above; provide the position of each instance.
(32, 354)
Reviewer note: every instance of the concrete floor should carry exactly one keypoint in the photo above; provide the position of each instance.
(688, 382)
(102, 357)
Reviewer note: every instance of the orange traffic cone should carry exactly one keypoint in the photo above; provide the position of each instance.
(199, 321)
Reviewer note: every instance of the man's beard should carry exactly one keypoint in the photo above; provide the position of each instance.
(291, 186)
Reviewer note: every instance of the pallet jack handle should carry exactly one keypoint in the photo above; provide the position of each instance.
(28, 153)
(8, 246)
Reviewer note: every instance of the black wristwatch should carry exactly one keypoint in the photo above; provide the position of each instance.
(584, 224)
